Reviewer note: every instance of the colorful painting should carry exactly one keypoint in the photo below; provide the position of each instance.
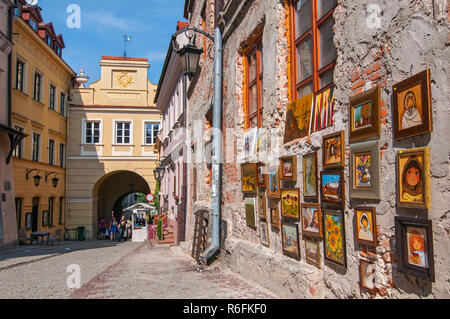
(333, 150)
(298, 118)
(312, 220)
(250, 212)
(334, 241)
(323, 110)
(275, 215)
(274, 184)
(288, 168)
(414, 244)
(261, 177)
(290, 203)
(262, 205)
(310, 177)
(414, 176)
(364, 113)
(362, 171)
(264, 233)
(367, 275)
(412, 106)
(366, 225)
(250, 139)
(312, 250)
(249, 181)
(291, 246)
(332, 187)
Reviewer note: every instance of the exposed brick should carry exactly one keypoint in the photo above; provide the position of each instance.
(383, 113)
(358, 84)
(375, 77)
(355, 76)
(381, 291)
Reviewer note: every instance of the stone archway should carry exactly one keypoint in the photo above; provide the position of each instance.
(110, 188)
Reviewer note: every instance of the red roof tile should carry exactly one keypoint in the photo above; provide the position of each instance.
(181, 25)
(121, 58)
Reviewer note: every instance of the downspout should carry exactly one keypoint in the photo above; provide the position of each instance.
(216, 190)
(9, 86)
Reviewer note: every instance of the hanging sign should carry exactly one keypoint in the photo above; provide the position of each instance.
(150, 197)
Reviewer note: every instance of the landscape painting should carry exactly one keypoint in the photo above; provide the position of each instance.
(333, 150)
(332, 187)
(249, 178)
(291, 246)
(310, 181)
(312, 250)
(274, 184)
(298, 118)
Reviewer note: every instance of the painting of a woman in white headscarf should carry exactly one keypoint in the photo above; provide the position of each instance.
(411, 116)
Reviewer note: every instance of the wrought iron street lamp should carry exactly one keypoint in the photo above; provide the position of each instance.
(37, 178)
(190, 56)
(55, 180)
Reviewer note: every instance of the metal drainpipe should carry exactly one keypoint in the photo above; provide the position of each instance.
(216, 190)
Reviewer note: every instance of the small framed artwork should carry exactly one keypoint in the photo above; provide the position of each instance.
(312, 220)
(250, 138)
(332, 187)
(365, 115)
(414, 241)
(261, 175)
(250, 212)
(365, 170)
(298, 118)
(291, 245)
(367, 276)
(290, 204)
(413, 178)
(274, 183)
(45, 218)
(288, 166)
(366, 226)
(412, 106)
(28, 222)
(312, 250)
(333, 150)
(248, 172)
(334, 238)
(264, 233)
(262, 205)
(275, 215)
(310, 181)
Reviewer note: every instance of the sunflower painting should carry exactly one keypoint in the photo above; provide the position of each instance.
(334, 244)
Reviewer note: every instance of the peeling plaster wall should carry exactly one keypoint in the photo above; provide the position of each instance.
(409, 35)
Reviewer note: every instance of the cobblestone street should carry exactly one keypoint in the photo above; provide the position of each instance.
(117, 270)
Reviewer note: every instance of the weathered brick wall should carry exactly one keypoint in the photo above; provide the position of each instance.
(409, 35)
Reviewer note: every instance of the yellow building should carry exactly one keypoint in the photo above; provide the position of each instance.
(41, 84)
(113, 126)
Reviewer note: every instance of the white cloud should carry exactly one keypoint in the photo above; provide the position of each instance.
(156, 56)
(107, 20)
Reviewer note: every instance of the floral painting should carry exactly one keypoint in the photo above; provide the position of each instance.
(334, 242)
(290, 203)
(363, 175)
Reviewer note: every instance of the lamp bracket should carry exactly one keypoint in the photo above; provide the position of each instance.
(28, 171)
(48, 174)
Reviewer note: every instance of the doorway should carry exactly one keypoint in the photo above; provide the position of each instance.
(35, 214)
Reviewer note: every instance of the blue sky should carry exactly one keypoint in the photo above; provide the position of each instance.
(103, 24)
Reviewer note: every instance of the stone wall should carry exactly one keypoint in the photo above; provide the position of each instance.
(410, 39)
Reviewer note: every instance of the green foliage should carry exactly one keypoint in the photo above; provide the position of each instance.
(159, 229)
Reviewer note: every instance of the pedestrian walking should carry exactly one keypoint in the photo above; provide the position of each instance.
(123, 229)
(112, 228)
(101, 228)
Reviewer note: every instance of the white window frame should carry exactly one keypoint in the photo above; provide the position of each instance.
(83, 133)
(115, 122)
(144, 138)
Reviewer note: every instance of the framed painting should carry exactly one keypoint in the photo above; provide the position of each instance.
(290, 204)
(298, 118)
(250, 212)
(414, 240)
(28, 221)
(312, 220)
(291, 245)
(248, 176)
(366, 226)
(367, 275)
(332, 187)
(333, 150)
(323, 110)
(250, 139)
(288, 168)
(274, 183)
(365, 170)
(413, 178)
(262, 205)
(310, 181)
(412, 106)
(275, 215)
(334, 238)
(312, 253)
(264, 233)
(365, 115)
(261, 175)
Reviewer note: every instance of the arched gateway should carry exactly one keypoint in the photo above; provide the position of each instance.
(113, 126)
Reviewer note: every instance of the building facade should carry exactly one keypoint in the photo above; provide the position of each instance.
(41, 81)
(112, 131)
(275, 54)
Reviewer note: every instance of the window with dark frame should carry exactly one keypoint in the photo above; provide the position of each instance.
(314, 51)
(51, 202)
(18, 151)
(62, 105)
(52, 97)
(20, 70)
(36, 147)
(123, 132)
(37, 86)
(254, 81)
(62, 155)
(61, 210)
(19, 206)
(151, 133)
(51, 152)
